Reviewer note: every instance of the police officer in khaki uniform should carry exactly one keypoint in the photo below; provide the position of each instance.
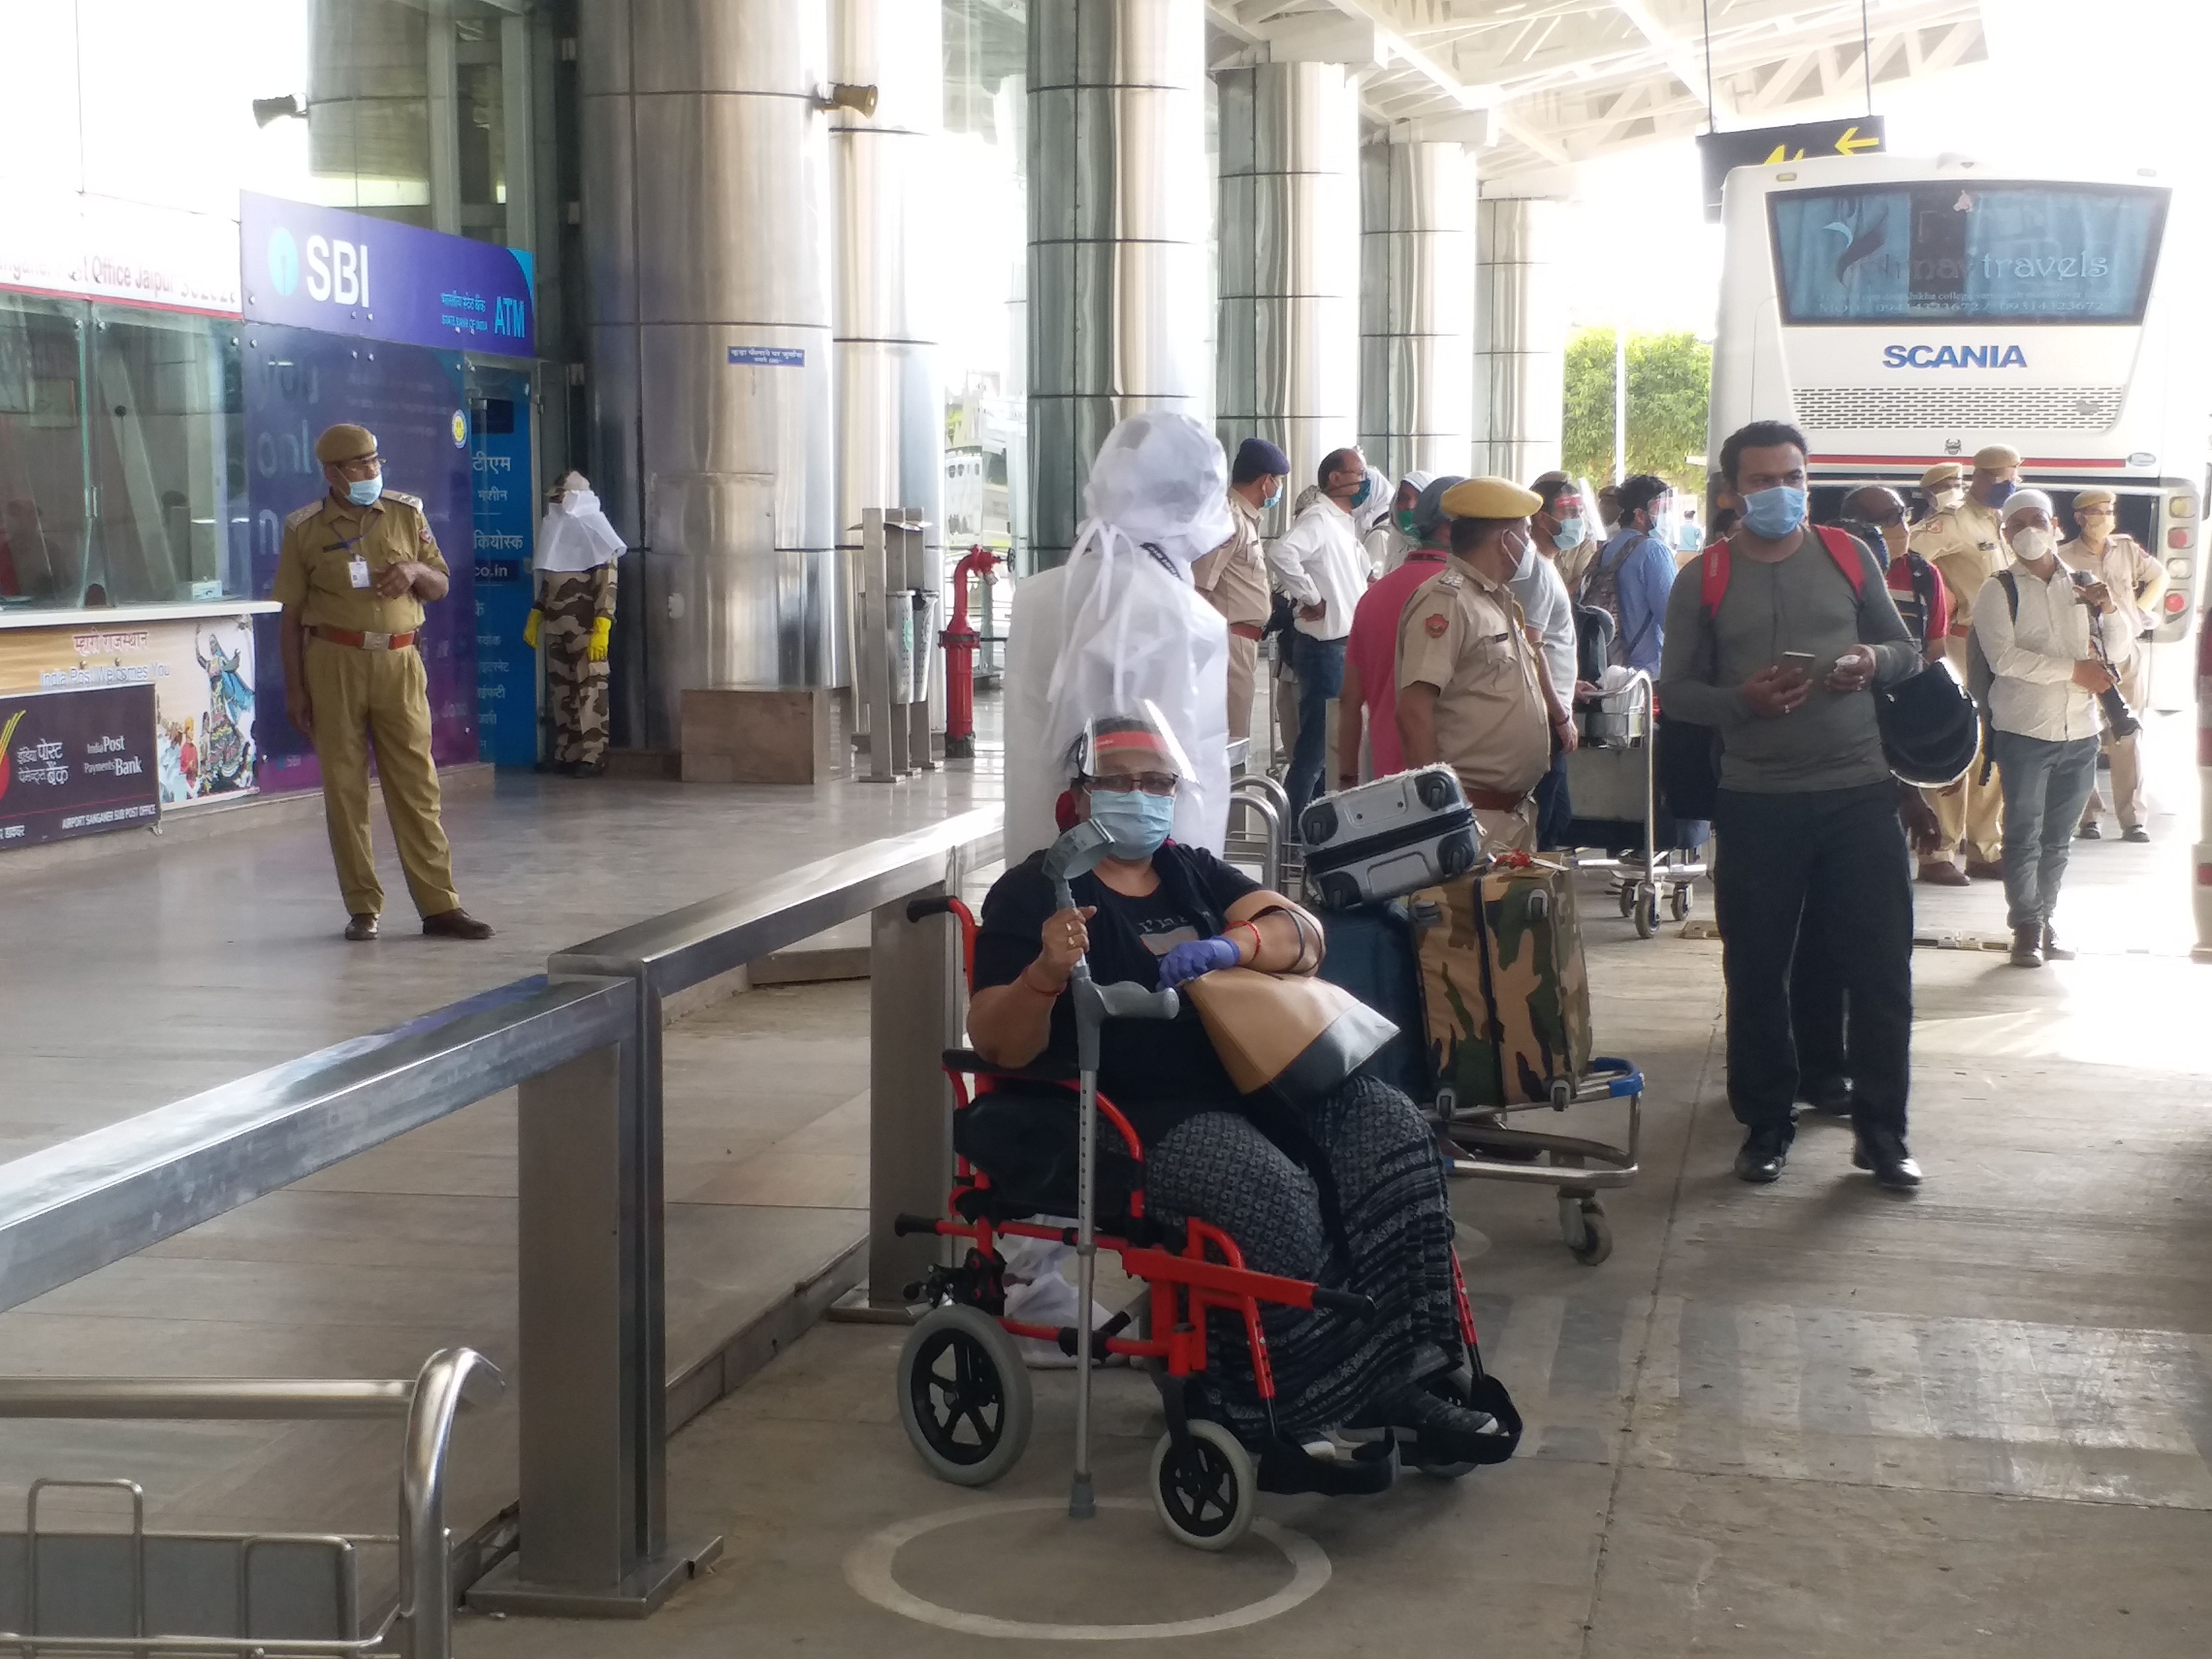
(1963, 540)
(1472, 689)
(352, 575)
(1233, 578)
(2136, 581)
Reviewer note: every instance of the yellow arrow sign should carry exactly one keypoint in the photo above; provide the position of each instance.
(1780, 154)
(1851, 143)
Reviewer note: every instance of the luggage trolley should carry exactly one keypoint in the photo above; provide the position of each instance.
(1612, 779)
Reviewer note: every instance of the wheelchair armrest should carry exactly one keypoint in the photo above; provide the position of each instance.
(968, 1061)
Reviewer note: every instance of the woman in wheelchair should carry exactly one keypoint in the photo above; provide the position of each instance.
(1348, 1192)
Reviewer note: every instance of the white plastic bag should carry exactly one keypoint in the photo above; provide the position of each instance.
(1119, 625)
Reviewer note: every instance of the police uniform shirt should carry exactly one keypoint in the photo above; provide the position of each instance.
(1233, 578)
(1964, 544)
(315, 568)
(1462, 634)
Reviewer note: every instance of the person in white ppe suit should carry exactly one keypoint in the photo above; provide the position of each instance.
(1119, 625)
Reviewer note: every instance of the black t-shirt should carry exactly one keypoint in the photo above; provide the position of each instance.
(1140, 1063)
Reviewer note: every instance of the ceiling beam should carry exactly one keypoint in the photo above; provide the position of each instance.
(1675, 54)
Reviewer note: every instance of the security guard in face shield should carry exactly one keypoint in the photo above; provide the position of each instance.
(354, 570)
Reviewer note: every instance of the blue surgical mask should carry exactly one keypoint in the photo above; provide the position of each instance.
(1569, 533)
(2001, 490)
(363, 492)
(1135, 824)
(1360, 495)
(1275, 500)
(1770, 515)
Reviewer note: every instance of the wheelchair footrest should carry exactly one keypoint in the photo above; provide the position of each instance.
(1287, 1468)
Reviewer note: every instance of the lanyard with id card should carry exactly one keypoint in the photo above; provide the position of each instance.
(356, 567)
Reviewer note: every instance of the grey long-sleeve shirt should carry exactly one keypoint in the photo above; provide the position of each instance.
(1804, 604)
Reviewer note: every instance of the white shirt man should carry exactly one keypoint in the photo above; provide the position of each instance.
(2032, 624)
(1319, 561)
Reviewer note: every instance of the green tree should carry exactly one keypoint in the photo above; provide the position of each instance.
(1670, 379)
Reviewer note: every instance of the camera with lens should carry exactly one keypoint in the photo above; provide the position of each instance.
(2120, 719)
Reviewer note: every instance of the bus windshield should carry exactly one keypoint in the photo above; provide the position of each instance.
(1952, 251)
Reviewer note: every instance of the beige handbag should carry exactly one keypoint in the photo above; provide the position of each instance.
(1289, 1037)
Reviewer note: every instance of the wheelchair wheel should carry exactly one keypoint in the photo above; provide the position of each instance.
(963, 1395)
(1209, 1494)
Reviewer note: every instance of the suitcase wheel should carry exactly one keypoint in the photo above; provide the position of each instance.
(1456, 854)
(1339, 891)
(1436, 790)
(1319, 826)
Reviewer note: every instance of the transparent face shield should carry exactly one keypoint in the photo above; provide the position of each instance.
(1130, 753)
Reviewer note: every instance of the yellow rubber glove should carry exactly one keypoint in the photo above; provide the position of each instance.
(601, 629)
(529, 629)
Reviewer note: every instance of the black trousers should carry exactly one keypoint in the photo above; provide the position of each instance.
(1838, 858)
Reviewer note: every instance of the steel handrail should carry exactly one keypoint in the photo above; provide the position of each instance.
(68, 1210)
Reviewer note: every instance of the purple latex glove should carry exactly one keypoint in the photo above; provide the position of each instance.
(1193, 957)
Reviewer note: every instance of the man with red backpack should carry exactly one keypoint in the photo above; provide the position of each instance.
(1775, 637)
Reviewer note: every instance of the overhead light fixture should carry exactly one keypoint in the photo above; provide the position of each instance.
(266, 110)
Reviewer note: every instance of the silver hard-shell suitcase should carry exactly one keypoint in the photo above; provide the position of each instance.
(1387, 838)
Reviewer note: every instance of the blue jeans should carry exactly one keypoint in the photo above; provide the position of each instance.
(2045, 786)
(1319, 665)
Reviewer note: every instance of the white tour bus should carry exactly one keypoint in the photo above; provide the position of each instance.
(1904, 313)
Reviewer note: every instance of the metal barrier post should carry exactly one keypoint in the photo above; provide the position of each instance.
(594, 1405)
(914, 1016)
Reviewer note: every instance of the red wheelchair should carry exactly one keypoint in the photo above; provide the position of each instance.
(964, 1395)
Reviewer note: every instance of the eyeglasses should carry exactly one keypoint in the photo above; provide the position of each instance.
(1124, 783)
(2092, 511)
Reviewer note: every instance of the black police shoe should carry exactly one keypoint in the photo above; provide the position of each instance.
(1765, 1151)
(1885, 1154)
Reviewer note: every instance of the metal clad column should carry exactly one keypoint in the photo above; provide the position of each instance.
(1288, 363)
(890, 401)
(1118, 199)
(706, 228)
(1521, 340)
(1416, 306)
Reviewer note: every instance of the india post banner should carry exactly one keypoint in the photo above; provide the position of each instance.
(76, 763)
(347, 273)
(201, 672)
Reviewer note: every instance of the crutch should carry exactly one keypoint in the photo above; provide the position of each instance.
(1075, 853)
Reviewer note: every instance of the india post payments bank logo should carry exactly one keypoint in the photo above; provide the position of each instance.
(337, 270)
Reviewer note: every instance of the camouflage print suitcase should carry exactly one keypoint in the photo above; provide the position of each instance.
(1506, 990)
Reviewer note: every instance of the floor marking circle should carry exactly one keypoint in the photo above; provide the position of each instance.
(868, 1571)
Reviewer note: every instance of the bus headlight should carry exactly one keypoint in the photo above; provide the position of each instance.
(2178, 537)
(2181, 508)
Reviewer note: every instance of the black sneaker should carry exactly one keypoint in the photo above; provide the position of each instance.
(1448, 1432)
(2089, 832)
(1765, 1151)
(2028, 947)
(2136, 834)
(2052, 949)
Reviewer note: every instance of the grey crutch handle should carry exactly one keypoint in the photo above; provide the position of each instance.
(1128, 1000)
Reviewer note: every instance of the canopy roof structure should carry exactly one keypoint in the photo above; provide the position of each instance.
(1540, 85)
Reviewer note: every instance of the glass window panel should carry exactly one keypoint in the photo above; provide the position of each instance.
(43, 533)
(167, 436)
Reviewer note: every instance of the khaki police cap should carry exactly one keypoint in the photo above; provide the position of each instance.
(1942, 473)
(1997, 455)
(1491, 498)
(2096, 496)
(344, 443)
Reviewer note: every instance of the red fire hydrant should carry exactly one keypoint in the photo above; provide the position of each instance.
(960, 642)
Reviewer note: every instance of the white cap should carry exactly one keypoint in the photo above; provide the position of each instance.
(2021, 499)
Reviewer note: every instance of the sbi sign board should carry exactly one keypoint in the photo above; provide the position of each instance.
(345, 273)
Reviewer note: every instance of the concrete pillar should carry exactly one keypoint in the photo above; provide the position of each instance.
(1521, 339)
(1119, 195)
(890, 398)
(1417, 306)
(1287, 358)
(706, 191)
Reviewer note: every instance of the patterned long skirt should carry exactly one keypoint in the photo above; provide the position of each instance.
(1396, 1248)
